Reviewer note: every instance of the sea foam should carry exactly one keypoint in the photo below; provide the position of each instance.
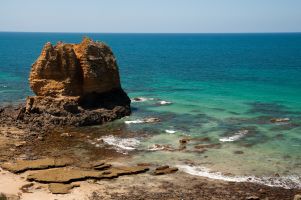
(138, 121)
(234, 137)
(287, 182)
(170, 131)
(165, 102)
(121, 144)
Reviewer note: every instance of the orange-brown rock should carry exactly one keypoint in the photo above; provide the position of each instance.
(75, 84)
(74, 70)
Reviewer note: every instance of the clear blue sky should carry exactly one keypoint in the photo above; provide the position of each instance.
(150, 16)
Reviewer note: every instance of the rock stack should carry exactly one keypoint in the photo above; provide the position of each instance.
(75, 84)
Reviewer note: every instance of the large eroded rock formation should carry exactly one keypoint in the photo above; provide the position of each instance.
(74, 70)
(75, 84)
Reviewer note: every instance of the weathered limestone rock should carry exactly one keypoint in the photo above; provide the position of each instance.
(63, 175)
(165, 170)
(74, 70)
(56, 72)
(280, 120)
(75, 84)
(99, 68)
(67, 175)
(60, 188)
(24, 165)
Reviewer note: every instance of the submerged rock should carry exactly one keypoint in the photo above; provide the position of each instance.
(165, 170)
(151, 120)
(279, 120)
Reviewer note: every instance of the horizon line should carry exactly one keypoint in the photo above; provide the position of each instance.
(276, 32)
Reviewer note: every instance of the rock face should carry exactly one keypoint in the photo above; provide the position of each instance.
(75, 84)
(75, 70)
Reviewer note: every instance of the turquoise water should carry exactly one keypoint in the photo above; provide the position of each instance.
(222, 86)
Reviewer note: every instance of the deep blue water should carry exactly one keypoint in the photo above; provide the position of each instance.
(219, 84)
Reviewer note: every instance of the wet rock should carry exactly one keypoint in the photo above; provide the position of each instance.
(144, 164)
(165, 170)
(24, 165)
(184, 141)
(238, 152)
(162, 147)
(162, 167)
(203, 146)
(60, 188)
(138, 99)
(297, 197)
(279, 120)
(202, 139)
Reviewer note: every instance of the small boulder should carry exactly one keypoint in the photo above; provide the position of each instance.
(60, 188)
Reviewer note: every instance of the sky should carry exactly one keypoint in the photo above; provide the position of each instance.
(151, 16)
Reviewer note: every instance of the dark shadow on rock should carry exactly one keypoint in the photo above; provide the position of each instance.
(108, 100)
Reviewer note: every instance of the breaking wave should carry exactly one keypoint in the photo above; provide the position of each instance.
(122, 145)
(165, 102)
(287, 182)
(138, 121)
(170, 131)
(234, 137)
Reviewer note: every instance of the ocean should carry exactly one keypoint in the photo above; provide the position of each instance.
(220, 89)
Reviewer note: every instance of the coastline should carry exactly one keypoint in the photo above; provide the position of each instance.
(232, 142)
(179, 185)
(146, 186)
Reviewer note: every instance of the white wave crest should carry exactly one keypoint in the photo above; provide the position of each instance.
(138, 121)
(145, 120)
(287, 182)
(141, 99)
(121, 144)
(165, 102)
(234, 137)
(170, 131)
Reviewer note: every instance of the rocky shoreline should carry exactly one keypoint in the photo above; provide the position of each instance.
(141, 186)
(42, 157)
(34, 166)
